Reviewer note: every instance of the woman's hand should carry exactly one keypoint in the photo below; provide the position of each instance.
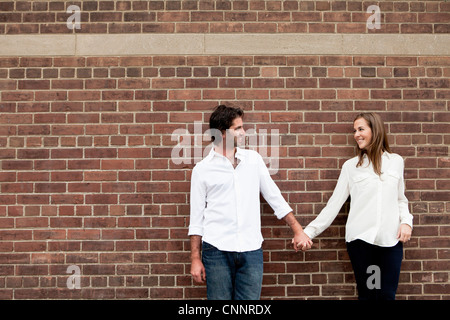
(404, 233)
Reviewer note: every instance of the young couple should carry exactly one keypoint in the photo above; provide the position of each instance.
(225, 224)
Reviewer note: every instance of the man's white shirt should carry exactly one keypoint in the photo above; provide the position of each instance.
(225, 201)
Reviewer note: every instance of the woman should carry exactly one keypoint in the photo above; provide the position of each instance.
(379, 221)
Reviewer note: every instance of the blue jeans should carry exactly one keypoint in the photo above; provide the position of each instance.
(387, 259)
(232, 275)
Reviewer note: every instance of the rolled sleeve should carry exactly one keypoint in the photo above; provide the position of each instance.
(271, 192)
(405, 216)
(197, 204)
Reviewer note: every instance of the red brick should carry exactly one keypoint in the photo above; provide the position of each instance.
(334, 83)
(319, 94)
(386, 94)
(17, 96)
(401, 61)
(266, 27)
(307, 16)
(336, 61)
(322, 28)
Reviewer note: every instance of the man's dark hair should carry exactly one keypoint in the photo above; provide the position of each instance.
(222, 118)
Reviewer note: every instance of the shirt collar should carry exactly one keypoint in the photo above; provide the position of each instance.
(385, 154)
(239, 154)
(211, 154)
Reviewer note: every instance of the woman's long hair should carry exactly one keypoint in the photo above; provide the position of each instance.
(378, 144)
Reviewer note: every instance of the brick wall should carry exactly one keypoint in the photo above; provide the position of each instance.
(204, 16)
(87, 178)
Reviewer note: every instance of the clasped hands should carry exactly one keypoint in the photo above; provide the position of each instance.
(301, 242)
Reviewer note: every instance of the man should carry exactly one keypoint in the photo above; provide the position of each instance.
(225, 213)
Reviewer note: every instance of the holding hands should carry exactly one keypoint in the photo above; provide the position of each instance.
(301, 241)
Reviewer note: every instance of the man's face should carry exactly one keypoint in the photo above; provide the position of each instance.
(236, 132)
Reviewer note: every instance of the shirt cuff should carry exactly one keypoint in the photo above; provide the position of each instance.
(195, 231)
(407, 220)
(280, 214)
(309, 232)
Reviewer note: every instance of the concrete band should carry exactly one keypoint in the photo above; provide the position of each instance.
(225, 44)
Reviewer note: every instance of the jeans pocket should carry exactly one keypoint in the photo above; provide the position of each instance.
(206, 247)
(213, 257)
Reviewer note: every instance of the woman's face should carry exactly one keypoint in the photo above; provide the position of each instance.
(362, 133)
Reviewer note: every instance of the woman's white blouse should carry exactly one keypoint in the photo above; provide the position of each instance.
(377, 203)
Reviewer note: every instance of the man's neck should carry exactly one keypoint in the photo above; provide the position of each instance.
(227, 152)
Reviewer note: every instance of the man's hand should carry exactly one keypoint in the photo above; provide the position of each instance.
(301, 240)
(198, 271)
(197, 267)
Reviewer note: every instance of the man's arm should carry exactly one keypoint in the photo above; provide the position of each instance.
(197, 268)
(300, 240)
(198, 204)
(272, 195)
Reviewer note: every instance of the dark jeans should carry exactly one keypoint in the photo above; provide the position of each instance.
(232, 275)
(377, 269)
